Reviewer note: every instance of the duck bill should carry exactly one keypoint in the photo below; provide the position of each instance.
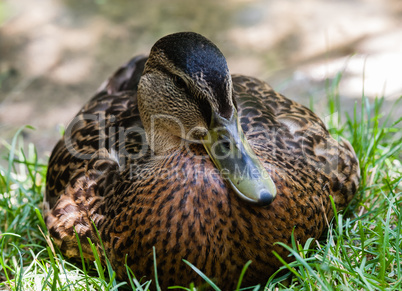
(232, 155)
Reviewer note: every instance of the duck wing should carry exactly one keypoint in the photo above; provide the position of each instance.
(294, 141)
(110, 115)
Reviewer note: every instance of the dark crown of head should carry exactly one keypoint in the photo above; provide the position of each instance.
(199, 58)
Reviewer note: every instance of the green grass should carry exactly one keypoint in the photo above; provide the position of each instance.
(361, 251)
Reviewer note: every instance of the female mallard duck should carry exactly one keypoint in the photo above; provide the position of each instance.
(175, 153)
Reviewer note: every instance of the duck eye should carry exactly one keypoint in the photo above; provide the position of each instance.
(179, 82)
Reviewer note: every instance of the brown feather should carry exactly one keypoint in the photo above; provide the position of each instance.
(180, 204)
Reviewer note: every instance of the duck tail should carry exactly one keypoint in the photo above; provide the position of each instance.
(125, 78)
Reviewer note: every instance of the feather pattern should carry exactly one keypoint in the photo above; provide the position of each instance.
(104, 171)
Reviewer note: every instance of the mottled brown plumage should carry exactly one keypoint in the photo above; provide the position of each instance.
(171, 196)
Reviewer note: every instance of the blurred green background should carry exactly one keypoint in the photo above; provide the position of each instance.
(55, 53)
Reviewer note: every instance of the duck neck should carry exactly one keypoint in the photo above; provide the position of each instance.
(160, 129)
(162, 142)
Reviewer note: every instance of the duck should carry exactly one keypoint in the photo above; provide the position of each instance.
(177, 159)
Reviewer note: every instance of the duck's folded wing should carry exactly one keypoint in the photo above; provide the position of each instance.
(109, 122)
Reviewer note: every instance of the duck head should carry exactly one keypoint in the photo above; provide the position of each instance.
(186, 94)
